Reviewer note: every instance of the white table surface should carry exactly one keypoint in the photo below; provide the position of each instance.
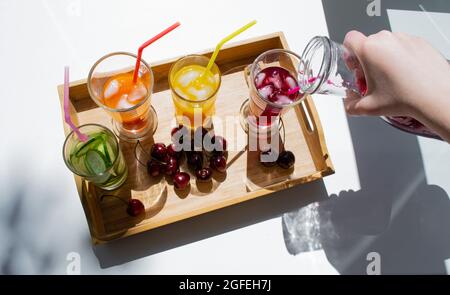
(41, 217)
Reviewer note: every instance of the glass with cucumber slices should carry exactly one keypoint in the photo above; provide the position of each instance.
(99, 159)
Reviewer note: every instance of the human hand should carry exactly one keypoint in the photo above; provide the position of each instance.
(404, 74)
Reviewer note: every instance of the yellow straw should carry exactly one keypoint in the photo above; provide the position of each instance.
(225, 40)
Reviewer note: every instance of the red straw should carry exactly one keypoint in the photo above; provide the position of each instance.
(138, 60)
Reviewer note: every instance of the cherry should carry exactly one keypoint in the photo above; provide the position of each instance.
(135, 207)
(219, 163)
(178, 133)
(159, 151)
(268, 158)
(171, 167)
(172, 151)
(181, 180)
(286, 160)
(153, 168)
(220, 144)
(176, 129)
(204, 175)
(195, 160)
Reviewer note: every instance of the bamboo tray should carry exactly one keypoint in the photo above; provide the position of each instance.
(245, 178)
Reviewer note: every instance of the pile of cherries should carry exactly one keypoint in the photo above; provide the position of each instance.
(204, 152)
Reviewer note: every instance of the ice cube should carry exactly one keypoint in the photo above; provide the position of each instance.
(282, 99)
(137, 93)
(266, 91)
(260, 79)
(291, 82)
(202, 93)
(211, 79)
(187, 78)
(179, 91)
(123, 102)
(276, 81)
(111, 89)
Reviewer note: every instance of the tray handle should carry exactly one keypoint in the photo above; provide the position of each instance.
(312, 129)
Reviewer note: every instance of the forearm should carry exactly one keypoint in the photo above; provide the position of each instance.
(436, 115)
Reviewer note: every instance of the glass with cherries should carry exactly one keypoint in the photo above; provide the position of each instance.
(274, 88)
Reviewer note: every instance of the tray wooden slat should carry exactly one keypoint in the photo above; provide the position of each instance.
(245, 178)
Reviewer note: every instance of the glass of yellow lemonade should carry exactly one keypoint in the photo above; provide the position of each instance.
(194, 90)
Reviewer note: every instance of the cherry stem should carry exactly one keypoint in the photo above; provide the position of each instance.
(148, 155)
(135, 153)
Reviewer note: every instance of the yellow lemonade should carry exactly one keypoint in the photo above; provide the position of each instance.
(194, 91)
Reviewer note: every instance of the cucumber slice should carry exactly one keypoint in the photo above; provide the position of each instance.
(95, 162)
(90, 144)
(102, 147)
(106, 153)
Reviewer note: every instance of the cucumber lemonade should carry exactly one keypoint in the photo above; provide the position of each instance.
(99, 159)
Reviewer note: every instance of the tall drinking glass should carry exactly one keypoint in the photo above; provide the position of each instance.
(111, 86)
(273, 84)
(99, 159)
(194, 90)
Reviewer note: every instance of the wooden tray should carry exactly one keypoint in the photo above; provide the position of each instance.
(245, 179)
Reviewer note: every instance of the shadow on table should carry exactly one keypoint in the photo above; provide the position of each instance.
(396, 213)
(208, 225)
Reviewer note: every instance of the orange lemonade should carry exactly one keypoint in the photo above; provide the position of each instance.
(120, 93)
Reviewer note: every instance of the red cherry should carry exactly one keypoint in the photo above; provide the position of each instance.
(159, 151)
(181, 180)
(195, 160)
(220, 144)
(153, 168)
(204, 175)
(286, 160)
(178, 133)
(171, 167)
(135, 207)
(172, 151)
(219, 163)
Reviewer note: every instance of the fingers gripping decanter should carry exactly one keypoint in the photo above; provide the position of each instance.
(332, 68)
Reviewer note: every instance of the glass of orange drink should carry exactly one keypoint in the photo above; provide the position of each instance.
(194, 90)
(111, 86)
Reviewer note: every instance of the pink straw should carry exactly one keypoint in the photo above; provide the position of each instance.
(293, 90)
(81, 136)
(139, 56)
